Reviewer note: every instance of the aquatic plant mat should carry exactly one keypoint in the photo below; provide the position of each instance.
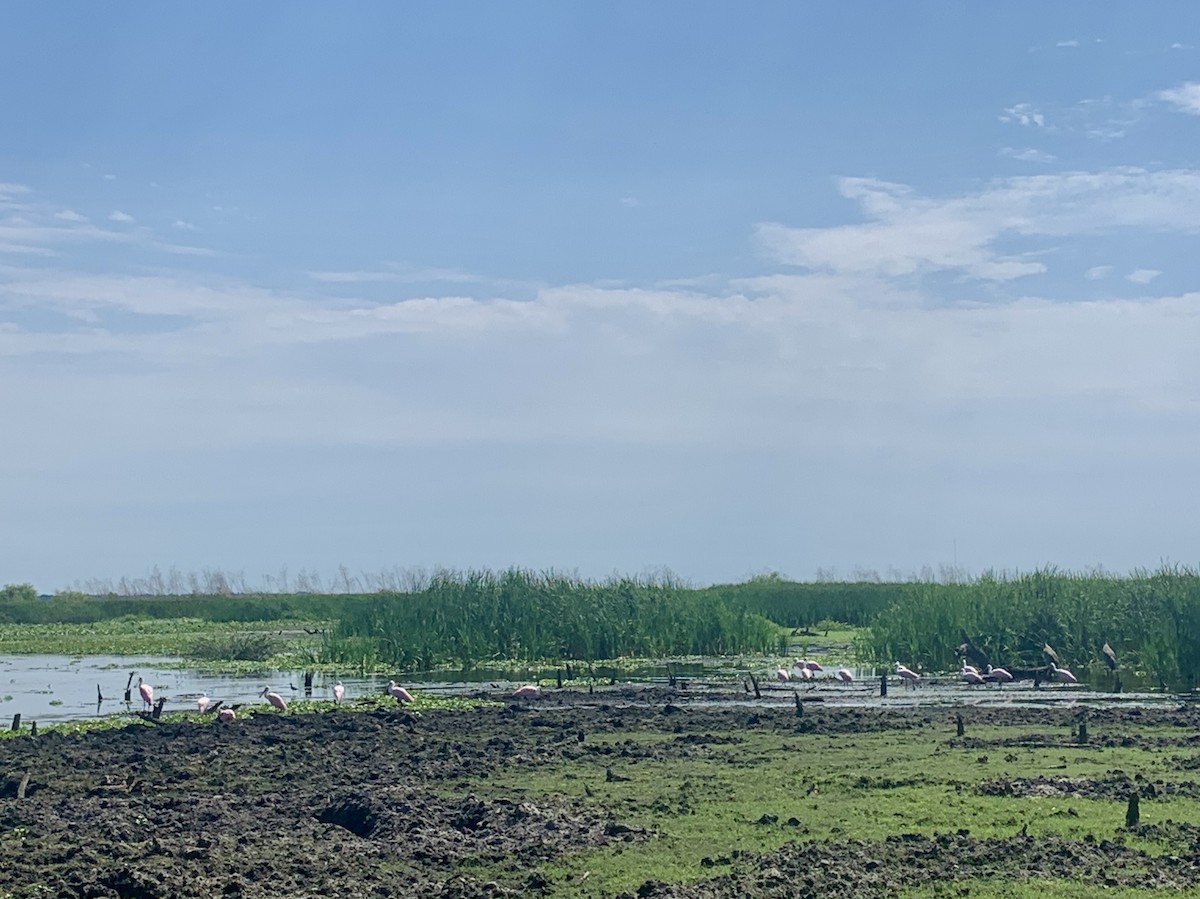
(645, 792)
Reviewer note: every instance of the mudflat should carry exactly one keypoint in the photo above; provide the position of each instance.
(448, 803)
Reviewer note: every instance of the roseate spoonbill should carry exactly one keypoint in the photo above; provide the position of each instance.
(338, 692)
(813, 666)
(203, 702)
(1000, 675)
(844, 675)
(782, 674)
(225, 716)
(528, 691)
(1064, 675)
(400, 694)
(971, 676)
(1110, 657)
(907, 673)
(806, 674)
(274, 698)
(146, 692)
(968, 668)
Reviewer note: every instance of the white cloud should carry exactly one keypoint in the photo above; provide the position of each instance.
(70, 215)
(181, 225)
(1029, 154)
(630, 202)
(1143, 275)
(1098, 272)
(118, 216)
(907, 234)
(1023, 114)
(110, 177)
(1186, 97)
(1070, 43)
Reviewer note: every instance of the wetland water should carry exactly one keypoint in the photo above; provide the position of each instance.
(53, 689)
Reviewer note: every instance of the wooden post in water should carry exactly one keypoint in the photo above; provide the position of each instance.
(158, 707)
(883, 685)
(958, 724)
(308, 679)
(16, 725)
(558, 673)
(799, 704)
(33, 728)
(754, 683)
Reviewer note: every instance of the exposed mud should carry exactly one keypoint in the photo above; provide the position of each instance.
(346, 804)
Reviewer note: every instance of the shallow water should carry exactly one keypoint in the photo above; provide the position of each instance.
(52, 689)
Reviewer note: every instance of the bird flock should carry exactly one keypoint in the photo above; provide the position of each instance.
(227, 713)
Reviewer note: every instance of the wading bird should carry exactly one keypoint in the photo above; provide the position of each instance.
(203, 702)
(907, 673)
(146, 692)
(845, 676)
(999, 675)
(528, 691)
(1063, 674)
(338, 692)
(225, 716)
(971, 676)
(1110, 657)
(782, 674)
(274, 698)
(398, 692)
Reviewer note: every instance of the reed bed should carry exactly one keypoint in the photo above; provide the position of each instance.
(468, 618)
(1150, 619)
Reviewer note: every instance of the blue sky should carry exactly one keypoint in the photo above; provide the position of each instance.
(598, 287)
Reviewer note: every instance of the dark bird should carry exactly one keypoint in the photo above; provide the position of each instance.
(1110, 657)
(973, 653)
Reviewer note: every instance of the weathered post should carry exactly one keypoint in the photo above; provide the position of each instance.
(33, 728)
(16, 725)
(799, 704)
(308, 679)
(883, 685)
(958, 721)
(754, 683)
(1132, 815)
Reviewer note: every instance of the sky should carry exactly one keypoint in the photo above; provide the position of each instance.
(820, 289)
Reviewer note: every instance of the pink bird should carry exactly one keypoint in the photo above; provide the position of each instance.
(146, 692)
(1063, 674)
(225, 716)
(274, 698)
(969, 669)
(845, 676)
(338, 692)
(203, 703)
(813, 666)
(1001, 675)
(806, 674)
(528, 691)
(782, 674)
(971, 676)
(400, 694)
(907, 673)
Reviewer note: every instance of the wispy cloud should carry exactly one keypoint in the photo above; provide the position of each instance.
(1185, 97)
(1023, 114)
(1028, 154)
(907, 233)
(118, 216)
(1069, 43)
(181, 225)
(630, 202)
(1098, 272)
(1143, 275)
(70, 215)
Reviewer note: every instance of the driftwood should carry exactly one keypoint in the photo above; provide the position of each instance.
(23, 786)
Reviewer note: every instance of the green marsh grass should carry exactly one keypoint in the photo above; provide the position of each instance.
(866, 786)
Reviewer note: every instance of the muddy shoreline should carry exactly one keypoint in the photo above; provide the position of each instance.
(356, 804)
